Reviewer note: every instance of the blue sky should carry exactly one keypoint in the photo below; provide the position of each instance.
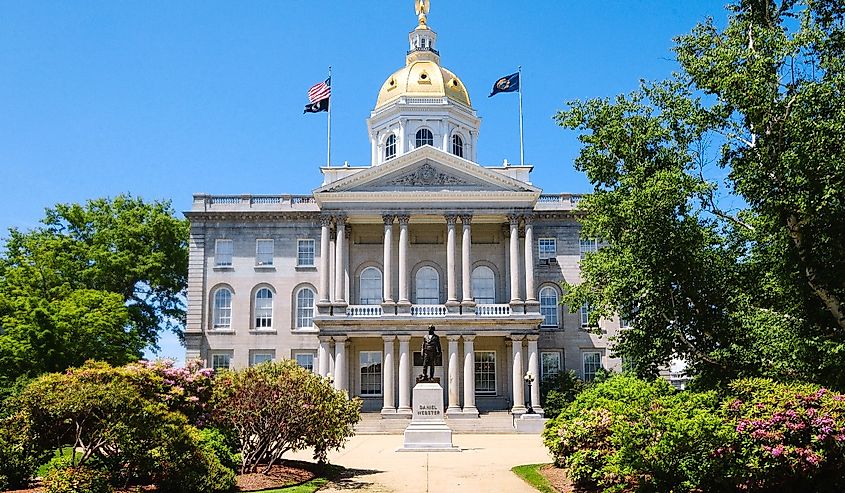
(164, 99)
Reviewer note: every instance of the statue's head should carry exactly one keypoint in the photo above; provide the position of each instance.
(431, 330)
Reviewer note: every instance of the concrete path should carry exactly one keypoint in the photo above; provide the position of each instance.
(483, 464)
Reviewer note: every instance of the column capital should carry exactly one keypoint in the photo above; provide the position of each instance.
(388, 219)
(453, 337)
(451, 219)
(466, 219)
(325, 220)
(404, 338)
(528, 219)
(325, 338)
(403, 219)
(340, 338)
(513, 219)
(532, 338)
(517, 337)
(388, 338)
(340, 218)
(468, 337)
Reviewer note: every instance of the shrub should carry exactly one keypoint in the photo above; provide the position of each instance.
(223, 446)
(557, 391)
(186, 390)
(277, 407)
(78, 479)
(187, 465)
(19, 457)
(628, 434)
(790, 437)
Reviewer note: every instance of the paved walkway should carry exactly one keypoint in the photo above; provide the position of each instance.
(483, 464)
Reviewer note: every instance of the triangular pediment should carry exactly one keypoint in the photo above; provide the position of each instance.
(427, 170)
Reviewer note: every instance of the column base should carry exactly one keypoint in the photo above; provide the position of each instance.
(324, 307)
(469, 412)
(519, 410)
(389, 411)
(404, 411)
(339, 308)
(453, 306)
(403, 307)
(388, 307)
(468, 307)
(539, 410)
(450, 411)
(517, 306)
(532, 306)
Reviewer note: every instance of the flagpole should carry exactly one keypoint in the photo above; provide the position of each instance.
(329, 125)
(521, 138)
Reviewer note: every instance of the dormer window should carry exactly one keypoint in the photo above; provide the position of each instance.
(390, 147)
(457, 145)
(424, 137)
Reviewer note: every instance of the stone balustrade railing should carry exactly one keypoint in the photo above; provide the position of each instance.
(492, 310)
(363, 311)
(204, 202)
(428, 310)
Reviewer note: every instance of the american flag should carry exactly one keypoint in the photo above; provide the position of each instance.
(321, 91)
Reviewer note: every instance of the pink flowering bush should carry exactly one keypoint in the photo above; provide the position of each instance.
(186, 390)
(790, 437)
(276, 407)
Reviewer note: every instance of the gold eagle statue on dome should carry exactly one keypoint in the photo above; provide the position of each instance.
(422, 8)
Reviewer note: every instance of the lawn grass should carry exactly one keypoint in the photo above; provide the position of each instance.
(63, 452)
(530, 473)
(307, 487)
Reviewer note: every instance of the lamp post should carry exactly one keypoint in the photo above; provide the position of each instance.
(529, 379)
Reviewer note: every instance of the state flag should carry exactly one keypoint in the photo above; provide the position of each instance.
(508, 83)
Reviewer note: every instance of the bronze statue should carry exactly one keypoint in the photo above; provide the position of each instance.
(430, 351)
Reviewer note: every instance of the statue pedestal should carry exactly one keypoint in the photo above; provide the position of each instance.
(428, 431)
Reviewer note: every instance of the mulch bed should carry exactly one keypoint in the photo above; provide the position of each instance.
(558, 478)
(288, 473)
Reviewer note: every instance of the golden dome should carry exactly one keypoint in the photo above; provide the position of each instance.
(423, 79)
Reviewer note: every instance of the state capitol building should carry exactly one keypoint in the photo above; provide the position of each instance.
(348, 279)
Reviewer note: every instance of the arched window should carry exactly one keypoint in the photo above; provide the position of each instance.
(222, 313)
(548, 306)
(428, 286)
(371, 286)
(263, 308)
(483, 285)
(457, 145)
(305, 308)
(424, 137)
(390, 147)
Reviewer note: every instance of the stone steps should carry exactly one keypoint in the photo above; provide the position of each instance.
(487, 423)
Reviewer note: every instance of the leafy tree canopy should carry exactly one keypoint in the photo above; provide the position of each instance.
(96, 281)
(744, 277)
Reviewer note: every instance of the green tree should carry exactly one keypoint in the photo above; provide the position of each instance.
(96, 281)
(753, 289)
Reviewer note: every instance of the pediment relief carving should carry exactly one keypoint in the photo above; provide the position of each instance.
(427, 176)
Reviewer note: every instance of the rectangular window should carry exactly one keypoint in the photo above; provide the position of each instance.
(370, 364)
(305, 253)
(547, 248)
(485, 372)
(588, 246)
(585, 314)
(258, 357)
(305, 360)
(221, 361)
(592, 363)
(549, 364)
(223, 252)
(263, 252)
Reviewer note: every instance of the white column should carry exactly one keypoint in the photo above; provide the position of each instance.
(323, 357)
(534, 369)
(466, 267)
(402, 145)
(530, 295)
(469, 375)
(518, 384)
(389, 406)
(341, 380)
(325, 232)
(404, 375)
(339, 288)
(387, 275)
(454, 376)
(514, 257)
(403, 259)
(450, 259)
(347, 244)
